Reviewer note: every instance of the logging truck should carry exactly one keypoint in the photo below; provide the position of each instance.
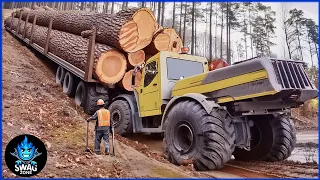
(205, 116)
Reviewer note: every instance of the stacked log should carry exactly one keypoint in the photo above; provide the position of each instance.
(126, 82)
(123, 40)
(165, 39)
(109, 66)
(130, 31)
(136, 58)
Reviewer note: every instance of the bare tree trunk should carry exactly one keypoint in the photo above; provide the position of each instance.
(227, 32)
(299, 42)
(180, 19)
(105, 7)
(162, 15)
(174, 14)
(123, 7)
(310, 50)
(112, 7)
(315, 47)
(192, 29)
(210, 33)
(287, 42)
(216, 33)
(154, 7)
(184, 23)
(65, 6)
(195, 35)
(159, 12)
(221, 39)
(204, 50)
(245, 34)
(250, 24)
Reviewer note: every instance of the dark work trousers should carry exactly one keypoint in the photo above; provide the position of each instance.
(99, 135)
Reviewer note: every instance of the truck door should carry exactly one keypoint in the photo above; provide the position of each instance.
(149, 90)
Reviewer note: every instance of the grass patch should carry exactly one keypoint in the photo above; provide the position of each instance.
(72, 138)
(167, 173)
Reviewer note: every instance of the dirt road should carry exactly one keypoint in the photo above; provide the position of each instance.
(33, 103)
(307, 136)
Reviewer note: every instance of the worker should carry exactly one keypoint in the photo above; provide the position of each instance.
(102, 127)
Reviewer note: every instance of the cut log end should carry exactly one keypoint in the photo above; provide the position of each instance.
(111, 67)
(165, 40)
(127, 80)
(136, 58)
(162, 42)
(138, 33)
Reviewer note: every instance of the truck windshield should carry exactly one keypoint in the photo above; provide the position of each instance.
(181, 68)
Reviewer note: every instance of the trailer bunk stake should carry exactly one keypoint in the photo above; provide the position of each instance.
(25, 26)
(32, 29)
(48, 37)
(90, 60)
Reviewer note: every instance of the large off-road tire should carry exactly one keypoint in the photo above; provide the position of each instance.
(284, 138)
(273, 138)
(70, 82)
(90, 106)
(60, 75)
(120, 114)
(193, 136)
(80, 96)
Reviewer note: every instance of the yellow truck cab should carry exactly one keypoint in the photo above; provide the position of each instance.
(160, 75)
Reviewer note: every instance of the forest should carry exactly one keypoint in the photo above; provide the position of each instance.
(208, 29)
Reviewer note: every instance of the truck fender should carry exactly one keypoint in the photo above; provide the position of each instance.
(133, 107)
(207, 104)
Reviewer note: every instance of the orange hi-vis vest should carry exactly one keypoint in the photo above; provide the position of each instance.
(103, 117)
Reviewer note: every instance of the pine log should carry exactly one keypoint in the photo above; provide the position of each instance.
(35, 7)
(166, 39)
(130, 30)
(127, 80)
(47, 8)
(109, 67)
(136, 58)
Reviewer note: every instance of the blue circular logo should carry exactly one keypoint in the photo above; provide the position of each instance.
(26, 155)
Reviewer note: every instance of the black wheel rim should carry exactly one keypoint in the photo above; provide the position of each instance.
(79, 95)
(59, 73)
(67, 81)
(255, 135)
(116, 117)
(184, 137)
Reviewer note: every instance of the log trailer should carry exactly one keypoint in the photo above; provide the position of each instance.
(205, 116)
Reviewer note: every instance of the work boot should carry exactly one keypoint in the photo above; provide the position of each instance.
(97, 153)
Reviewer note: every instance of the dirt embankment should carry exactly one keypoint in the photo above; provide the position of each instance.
(33, 103)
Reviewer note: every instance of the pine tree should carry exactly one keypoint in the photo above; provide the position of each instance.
(174, 14)
(296, 18)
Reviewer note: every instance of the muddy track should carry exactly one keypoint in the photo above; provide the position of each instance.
(234, 169)
(34, 104)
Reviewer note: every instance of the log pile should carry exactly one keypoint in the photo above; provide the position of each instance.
(123, 40)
